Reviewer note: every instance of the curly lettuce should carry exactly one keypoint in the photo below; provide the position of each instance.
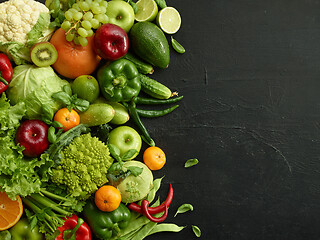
(18, 175)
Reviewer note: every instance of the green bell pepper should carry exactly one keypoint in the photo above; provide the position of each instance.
(106, 225)
(119, 81)
(21, 231)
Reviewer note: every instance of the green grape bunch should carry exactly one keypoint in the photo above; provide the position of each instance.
(83, 18)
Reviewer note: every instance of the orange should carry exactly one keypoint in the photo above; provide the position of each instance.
(107, 198)
(154, 158)
(74, 60)
(67, 119)
(10, 211)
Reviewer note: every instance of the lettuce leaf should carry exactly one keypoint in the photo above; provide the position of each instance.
(18, 175)
(34, 86)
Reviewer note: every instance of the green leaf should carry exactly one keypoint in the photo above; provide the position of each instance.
(47, 112)
(5, 235)
(191, 162)
(196, 230)
(52, 135)
(177, 46)
(57, 124)
(81, 104)
(62, 97)
(114, 151)
(135, 171)
(67, 89)
(184, 208)
(129, 154)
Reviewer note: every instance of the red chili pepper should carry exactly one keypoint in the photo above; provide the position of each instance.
(5, 72)
(145, 210)
(154, 210)
(74, 225)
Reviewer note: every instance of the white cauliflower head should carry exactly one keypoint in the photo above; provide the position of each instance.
(17, 17)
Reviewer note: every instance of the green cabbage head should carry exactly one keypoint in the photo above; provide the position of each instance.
(34, 86)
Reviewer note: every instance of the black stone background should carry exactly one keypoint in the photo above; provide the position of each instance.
(250, 114)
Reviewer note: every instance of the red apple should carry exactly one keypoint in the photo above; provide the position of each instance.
(111, 42)
(33, 135)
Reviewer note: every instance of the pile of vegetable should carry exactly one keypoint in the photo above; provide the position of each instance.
(74, 77)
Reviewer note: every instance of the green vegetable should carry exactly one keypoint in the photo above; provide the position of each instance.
(150, 44)
(196, 230)
(177, 46)
(106, 225)
(22, 230)
(166, 227)
(18, 175)
(161, 3)
(152, 101)
(48, 210)
(143, 67)
(155, 113)
(97, 114)
(119, 81)
(70, 101)
(83, 167)
(134, 188)
(155, 88)
(35, 85)
(184, 208)
(191, 162)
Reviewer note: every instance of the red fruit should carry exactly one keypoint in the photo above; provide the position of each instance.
(111, 42)
(33, 135)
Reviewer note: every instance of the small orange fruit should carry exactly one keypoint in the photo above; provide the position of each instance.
(107, 198)
(154, 158)
(67, 119)
(10, 211)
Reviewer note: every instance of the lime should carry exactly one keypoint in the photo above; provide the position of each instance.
(147, 10)
(86, 87)
(169, 20)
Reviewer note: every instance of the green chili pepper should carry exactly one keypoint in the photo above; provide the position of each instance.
(153, 101)
(119, 81)
(135, 117)
(155, 113)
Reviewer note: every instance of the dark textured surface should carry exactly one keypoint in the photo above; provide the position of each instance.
(250, 114)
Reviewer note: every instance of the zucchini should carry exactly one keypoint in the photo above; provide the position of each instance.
(143, 67)
(154, 88)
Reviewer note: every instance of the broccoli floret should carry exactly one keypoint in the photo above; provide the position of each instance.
(83, 167)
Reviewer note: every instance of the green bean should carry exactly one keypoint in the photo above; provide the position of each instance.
(153, 101)
(155, 113)
(144, 231)
(136, 118)
(166, 227)
(156, 186)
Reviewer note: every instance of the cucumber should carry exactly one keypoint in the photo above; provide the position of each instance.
(97, 114)
(150, 44)
(143, 67)
(154, 88)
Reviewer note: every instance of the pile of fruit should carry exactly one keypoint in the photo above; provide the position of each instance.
(70, 81)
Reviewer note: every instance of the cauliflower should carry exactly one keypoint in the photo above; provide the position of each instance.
(84, 165)
(22, 24)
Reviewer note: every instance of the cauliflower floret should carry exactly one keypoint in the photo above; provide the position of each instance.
(17, 17)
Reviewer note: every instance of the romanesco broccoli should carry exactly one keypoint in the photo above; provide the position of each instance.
(83, 167)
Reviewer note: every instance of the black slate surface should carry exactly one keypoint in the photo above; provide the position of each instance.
(250, 114)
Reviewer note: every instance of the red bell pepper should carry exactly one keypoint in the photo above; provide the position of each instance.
(5, 72)
(74, 228)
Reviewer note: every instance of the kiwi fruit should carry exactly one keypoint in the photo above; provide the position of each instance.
(43, 54)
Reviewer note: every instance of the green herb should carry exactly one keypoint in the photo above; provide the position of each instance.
(161, 3)
(177, 46)
(196, 230)
(184, 208)
(191, 162)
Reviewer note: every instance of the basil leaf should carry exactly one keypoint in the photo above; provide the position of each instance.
(135, 171)
(191, 162)
(129, 154)
(62, 97)
(114, 151)
(57, 124)
(67, 89)
(52, 138)
(196, 230)
(184, 208)
(81, 104)
(177, 46)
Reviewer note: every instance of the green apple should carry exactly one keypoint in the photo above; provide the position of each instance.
(125, 138)
(121, 14)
